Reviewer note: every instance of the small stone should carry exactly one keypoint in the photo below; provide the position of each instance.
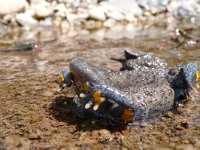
(42, 12)
(82, 14)
(129, 17)
(57, 21)
(12, 6)
(34, 137)
(65, 26)
(184, 8)
(71, 17)
(60, 8)
(126, 6)
(91, 24)
(185, 124)
(168, 115)
(115, 15)
(154, 6)
(97, 13)
(98, 35)
(26, 20)
(74, 3)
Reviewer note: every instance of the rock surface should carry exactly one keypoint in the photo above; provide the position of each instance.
(184, 8)
(26, 20)
(154, 6)
(126, 6)
(12, 6)
(99, 12)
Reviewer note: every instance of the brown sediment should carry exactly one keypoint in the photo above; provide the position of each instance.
(35, 116)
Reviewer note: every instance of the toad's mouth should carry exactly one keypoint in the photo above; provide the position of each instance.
(100, 99)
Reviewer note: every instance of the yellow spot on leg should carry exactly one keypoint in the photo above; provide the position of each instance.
(85, 87)
(96, 107)
(197, 75)
(197, 86)
(82, 95)
(127, 115)
(88, 105)
(98, 99)
(61, 78)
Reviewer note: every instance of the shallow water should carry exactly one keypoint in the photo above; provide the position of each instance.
(34, 115)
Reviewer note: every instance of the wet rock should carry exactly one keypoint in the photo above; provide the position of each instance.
(12, 6)
(97, 13)
(154, 6)
(184, 8)
(26, 20)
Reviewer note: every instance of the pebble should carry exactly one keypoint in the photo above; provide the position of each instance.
(126, 6)
(12, 6)
(184, 8)
(108, 12)
(42, 12)
(129, 17)
(82, 14)
(97, 13)
(60, 8)
(115, 15)
(154, 6)
(26, 20)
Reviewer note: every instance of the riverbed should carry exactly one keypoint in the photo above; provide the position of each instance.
(35, 115)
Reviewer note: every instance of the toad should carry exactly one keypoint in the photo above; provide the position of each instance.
(143, 88)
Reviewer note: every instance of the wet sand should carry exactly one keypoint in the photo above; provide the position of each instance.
(34, 115)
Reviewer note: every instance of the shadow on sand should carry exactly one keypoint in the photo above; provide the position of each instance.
(65, 110)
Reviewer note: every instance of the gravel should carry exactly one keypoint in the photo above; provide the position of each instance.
(79, 12)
